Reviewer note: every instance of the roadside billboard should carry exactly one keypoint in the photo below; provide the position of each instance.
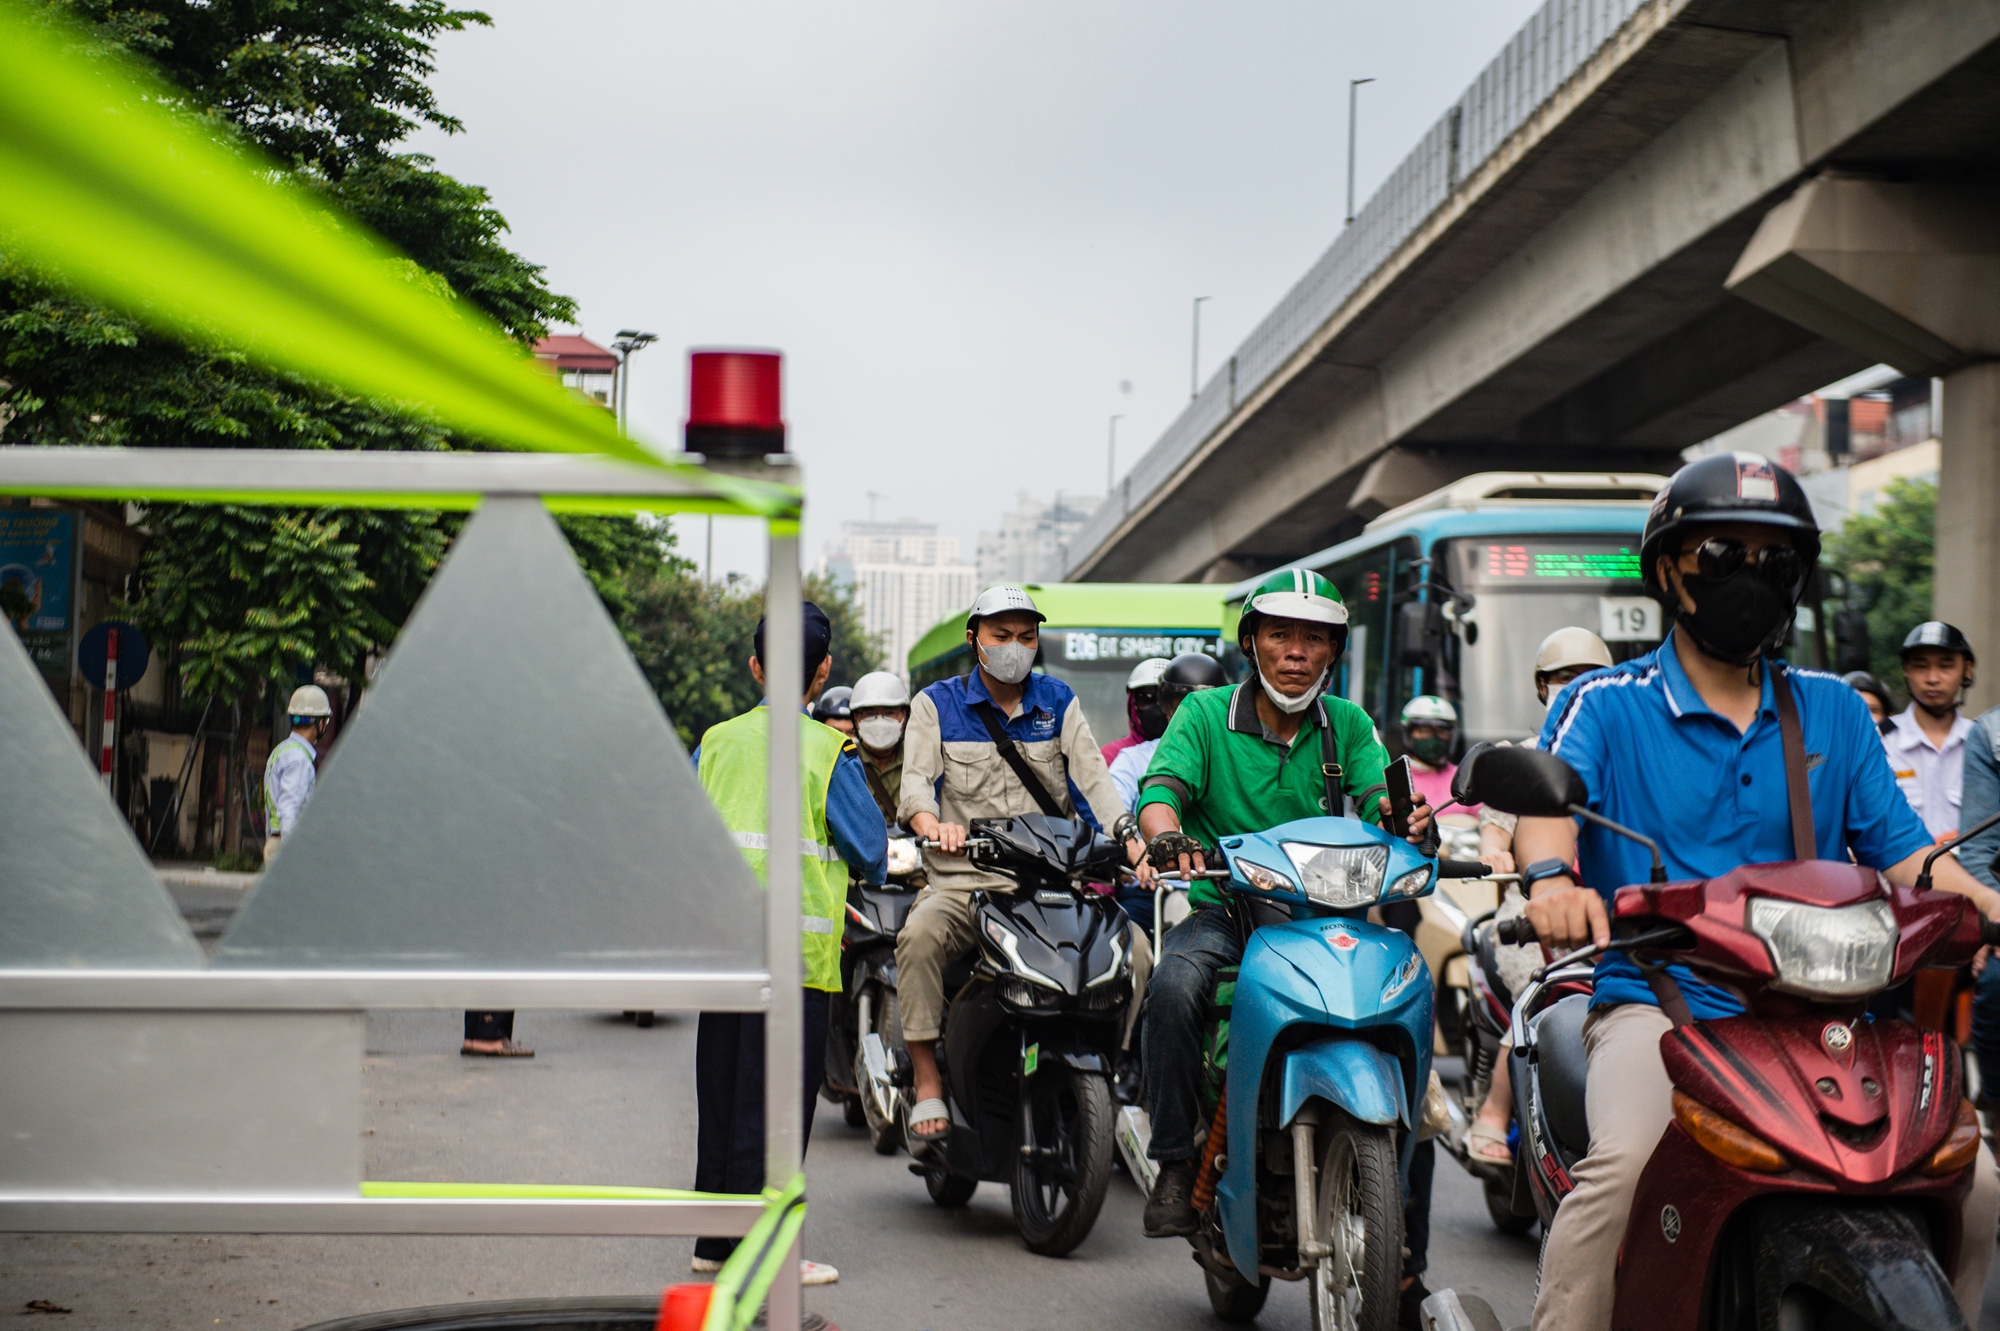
(38, 583)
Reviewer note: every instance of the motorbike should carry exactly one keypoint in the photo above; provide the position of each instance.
(1323, 1073)
(864, 1037)
(1817, 1160)
(1032, 1026)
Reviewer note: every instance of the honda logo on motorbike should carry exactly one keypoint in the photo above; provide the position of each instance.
(1670, 1223)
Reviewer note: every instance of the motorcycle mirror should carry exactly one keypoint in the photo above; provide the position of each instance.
(1516, 780)
(1944, 848)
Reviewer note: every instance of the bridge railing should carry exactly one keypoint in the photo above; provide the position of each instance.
(1541, 57)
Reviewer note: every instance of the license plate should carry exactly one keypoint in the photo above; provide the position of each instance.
(1031, 1060)
(1629, 619)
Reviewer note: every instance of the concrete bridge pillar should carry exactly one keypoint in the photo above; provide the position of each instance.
(1910, 274)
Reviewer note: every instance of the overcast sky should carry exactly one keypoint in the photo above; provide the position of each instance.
(965, 224)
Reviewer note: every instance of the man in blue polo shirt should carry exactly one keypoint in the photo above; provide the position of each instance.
(1684, 745)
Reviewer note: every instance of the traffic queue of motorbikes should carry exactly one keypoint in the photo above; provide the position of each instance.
(1818, 1149)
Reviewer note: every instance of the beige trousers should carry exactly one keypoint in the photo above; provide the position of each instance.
(272, 843)
(1629, 1101)
(938, 928)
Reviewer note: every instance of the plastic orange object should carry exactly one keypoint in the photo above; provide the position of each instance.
(1209, 1174)
(684, 1307)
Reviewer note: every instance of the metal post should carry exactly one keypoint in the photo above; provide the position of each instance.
(1194, 357)
(784, 1018)
(1110, 467)
(109, 755)
(1353, 86)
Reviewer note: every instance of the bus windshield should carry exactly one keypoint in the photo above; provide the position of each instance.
(1525, 588)
(1095, 663)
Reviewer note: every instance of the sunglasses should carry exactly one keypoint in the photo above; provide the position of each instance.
(1722, 556)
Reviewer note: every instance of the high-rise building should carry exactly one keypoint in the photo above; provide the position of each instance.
(1029, 545)
(905, 577)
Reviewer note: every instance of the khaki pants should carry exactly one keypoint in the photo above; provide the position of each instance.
(272, 843)
(938, 928)
(1629, 1102)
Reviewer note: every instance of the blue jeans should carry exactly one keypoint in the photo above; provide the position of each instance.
(1986, 1029)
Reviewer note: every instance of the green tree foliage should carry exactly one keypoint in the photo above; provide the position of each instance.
(329, 88)
(693, 639)
(1889, 557)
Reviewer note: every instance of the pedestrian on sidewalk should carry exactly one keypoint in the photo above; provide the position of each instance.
(841, 831)
(292, 769)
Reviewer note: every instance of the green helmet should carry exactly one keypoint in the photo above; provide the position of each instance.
(1296, 593)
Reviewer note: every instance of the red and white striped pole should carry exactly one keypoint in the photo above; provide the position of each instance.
(110, 705)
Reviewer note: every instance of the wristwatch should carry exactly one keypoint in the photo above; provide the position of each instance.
(1540, 869)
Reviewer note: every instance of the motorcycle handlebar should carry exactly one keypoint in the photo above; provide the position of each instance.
(1462, 869)
(932, 843)
(1520, 929)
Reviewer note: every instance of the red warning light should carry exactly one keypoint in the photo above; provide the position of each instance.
(735, 403)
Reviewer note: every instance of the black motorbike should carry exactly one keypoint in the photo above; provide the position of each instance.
(865, 1058)
(1032, 1026)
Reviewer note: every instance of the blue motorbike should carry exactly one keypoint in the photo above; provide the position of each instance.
(1328, 1055)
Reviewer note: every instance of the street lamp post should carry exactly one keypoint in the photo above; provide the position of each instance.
(1194, 358)
(1353, 90)
(1110, 460)
(629, 341)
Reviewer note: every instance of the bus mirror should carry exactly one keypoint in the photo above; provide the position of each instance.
(1851, 650)
(1419, 632)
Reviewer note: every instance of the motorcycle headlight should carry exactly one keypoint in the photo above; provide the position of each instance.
(1411, 883)
(1827, 951)
(1010, 947)
(1339, 875)
(1107, 997)
(1026, 996)
(1264, 880)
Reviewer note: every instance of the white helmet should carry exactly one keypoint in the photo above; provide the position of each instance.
(1572, 649)
(1147, 674)
(999, 601)
(878, 688)
(309, 700)
(1428, 707)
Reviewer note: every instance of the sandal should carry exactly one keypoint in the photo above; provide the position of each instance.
(925, 1111)
(507, 1049)
(1480, 1136)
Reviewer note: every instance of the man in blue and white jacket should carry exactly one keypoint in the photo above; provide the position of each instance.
(953, 772)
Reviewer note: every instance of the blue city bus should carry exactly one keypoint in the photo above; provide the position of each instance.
(1453, 593)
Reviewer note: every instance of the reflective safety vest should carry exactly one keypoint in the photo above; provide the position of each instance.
(278, 750)
(733, 773)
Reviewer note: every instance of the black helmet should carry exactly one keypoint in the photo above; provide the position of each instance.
(1190, 672)
(1729, 487)
(1935, 633)
(1863, 682)
(833, 704)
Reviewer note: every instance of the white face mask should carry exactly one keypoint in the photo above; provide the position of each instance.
(880, 733)
(1289, 706)
(1008, 662)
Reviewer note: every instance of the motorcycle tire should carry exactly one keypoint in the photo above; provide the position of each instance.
(1359, 1213)
(884, 1134)
(1233, 1298)
(1057, 1193)
(851, 1110)
(949, 1190)
(1500, 1206)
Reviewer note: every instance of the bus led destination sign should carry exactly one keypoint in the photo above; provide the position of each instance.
(1115, 645)
(1545, 561)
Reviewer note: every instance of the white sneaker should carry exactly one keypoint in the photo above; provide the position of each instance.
(705, 1265)
(817, 1273)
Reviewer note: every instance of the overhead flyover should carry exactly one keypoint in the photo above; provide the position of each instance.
(1544, 283)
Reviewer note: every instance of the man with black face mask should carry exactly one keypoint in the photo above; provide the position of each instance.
(1688, 745)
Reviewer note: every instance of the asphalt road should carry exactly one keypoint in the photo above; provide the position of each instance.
(606, 1102)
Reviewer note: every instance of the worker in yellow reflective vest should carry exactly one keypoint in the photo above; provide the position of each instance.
(841, 830)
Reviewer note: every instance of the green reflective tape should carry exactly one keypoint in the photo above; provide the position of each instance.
(745, 1279)
(544, 1192)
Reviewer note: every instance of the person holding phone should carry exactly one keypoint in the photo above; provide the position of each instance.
(1238, 760)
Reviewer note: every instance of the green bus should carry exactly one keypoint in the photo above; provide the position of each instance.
(1096, 632)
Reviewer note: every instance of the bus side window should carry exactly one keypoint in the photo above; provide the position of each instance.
(1363, 584)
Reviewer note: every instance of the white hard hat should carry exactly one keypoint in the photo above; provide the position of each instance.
(879, 688)
(1146, 675)
(309, 700)
(999, 601)
(1571, 649)
(1428, 707)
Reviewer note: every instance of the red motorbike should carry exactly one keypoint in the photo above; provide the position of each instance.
(1818, 1159)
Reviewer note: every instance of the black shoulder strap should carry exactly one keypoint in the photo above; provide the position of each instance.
(1796, 787)
(1667, 994)
(996, 730)
(1329, 759)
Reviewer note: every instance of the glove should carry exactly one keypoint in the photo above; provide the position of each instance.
(1165, 850)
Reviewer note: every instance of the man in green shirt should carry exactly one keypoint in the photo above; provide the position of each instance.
(1240, 760)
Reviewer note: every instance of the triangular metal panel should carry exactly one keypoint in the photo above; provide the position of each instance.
(509, 795)
(75, 889)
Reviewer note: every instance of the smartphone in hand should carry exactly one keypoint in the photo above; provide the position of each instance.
(1402, 796)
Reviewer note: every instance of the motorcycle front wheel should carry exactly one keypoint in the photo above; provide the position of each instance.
(1233, 1298)
(1059, 1189)
(949, 1190)
(885, 1134)
(1359, 1216)
(1500, 1206)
